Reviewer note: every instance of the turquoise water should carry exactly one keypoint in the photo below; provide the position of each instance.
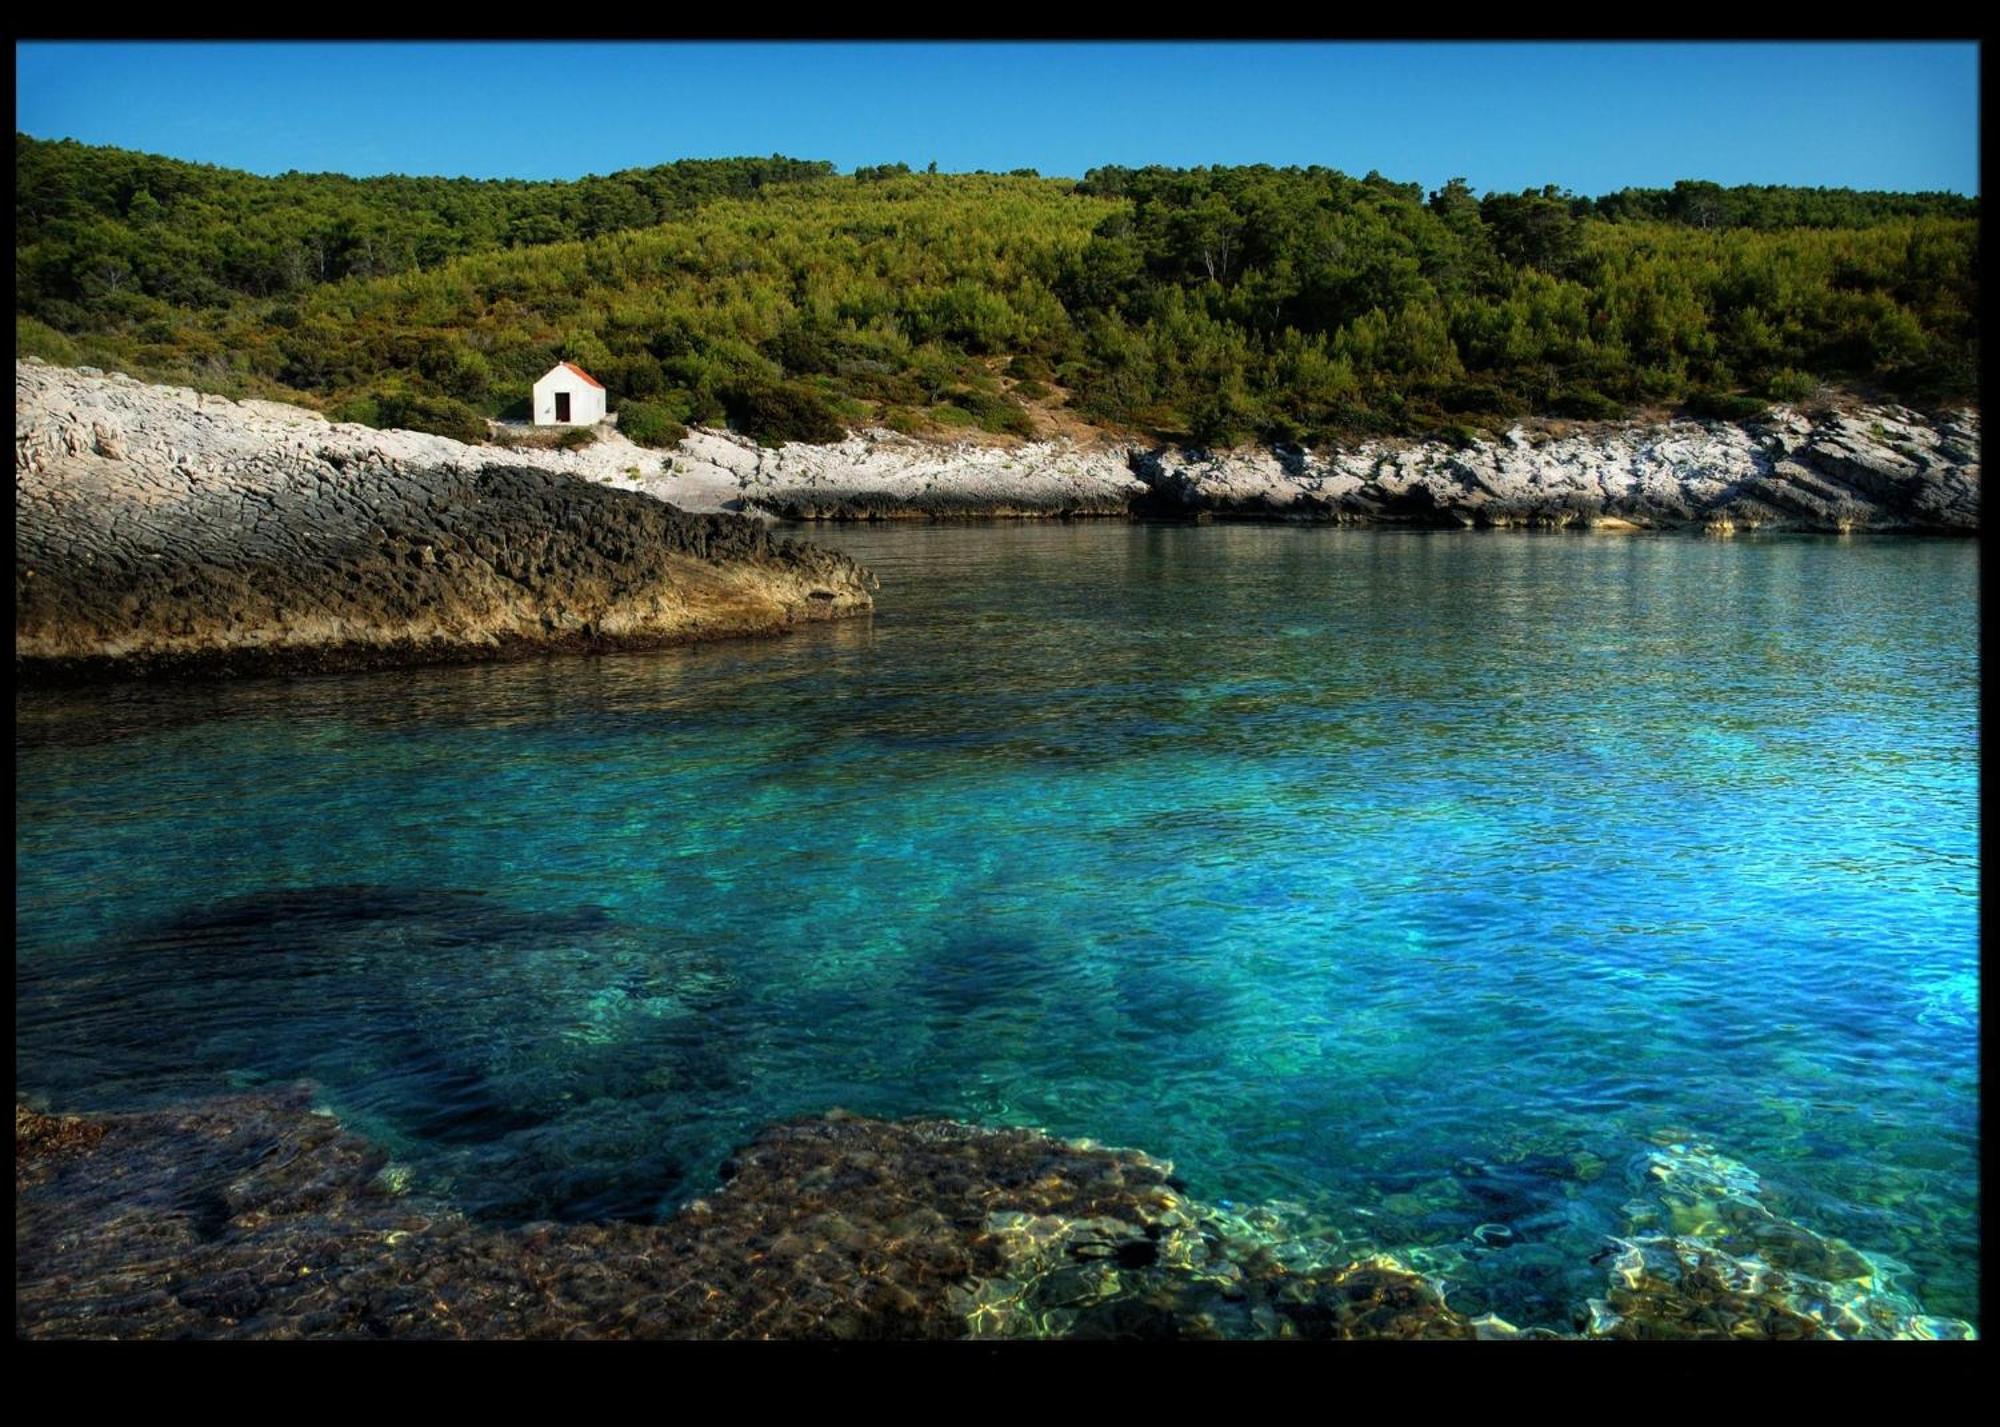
(1424, 882)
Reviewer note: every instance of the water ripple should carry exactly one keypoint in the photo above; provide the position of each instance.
(1412, 878)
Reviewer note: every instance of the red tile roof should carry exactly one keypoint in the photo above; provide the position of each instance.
(579, 371)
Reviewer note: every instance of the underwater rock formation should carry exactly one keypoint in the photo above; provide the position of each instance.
(1705, 1258)
(254, 1216)
(39, 1139)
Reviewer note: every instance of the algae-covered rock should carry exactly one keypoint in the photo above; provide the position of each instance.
(1708, 1259)
(39, 1138)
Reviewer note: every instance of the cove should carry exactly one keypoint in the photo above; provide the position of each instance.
(1426, 884)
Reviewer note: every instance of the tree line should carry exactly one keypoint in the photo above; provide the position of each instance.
(1210, 305)
(99, 231)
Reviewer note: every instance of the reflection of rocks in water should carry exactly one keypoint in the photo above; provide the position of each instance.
(1707, 1259)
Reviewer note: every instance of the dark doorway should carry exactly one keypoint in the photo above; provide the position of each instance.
(562, 406)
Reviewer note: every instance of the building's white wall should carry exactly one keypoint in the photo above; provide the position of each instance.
(586, 402)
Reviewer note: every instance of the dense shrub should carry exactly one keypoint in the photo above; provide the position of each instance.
(400, 410)
(992, 411)
(362, 410)
(1723, 406)
(1482, 398)
(1584, 405)
(444, 417)
(700, 407)
(645, 424)
(38, 339)
(1790, 386)
(777, 412)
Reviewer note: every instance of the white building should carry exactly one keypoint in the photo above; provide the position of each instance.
(567, 395)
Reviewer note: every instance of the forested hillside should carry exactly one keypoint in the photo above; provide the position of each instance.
(1211, 304)
(100, 231)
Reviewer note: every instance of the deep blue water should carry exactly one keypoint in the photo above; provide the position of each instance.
(1423, 881)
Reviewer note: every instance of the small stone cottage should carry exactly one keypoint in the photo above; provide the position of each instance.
(567, 395)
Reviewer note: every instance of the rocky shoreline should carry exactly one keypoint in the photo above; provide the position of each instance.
(252, 1215)
(1884, 469)
(162, 531)
(159, 531)
(1866, 469)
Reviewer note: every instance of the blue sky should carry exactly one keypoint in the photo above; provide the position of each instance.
(1590, 117)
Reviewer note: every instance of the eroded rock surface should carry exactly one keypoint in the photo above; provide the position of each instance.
(1873, 468)
(160, 530)
(879, 475)
(1876, 468)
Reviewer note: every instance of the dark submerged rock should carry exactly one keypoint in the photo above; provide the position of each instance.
(252, 1216)
(39, 1137)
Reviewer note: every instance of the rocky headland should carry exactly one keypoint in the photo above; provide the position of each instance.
(159, 530)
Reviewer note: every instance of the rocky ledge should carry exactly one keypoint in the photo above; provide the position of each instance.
(1883, 468)
(253, 1216)
(158, 530)
(1873, 468)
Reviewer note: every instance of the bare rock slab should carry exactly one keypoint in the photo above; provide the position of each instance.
(159, 530)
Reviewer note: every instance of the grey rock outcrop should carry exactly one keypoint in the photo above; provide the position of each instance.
(1873, 468)
(158, 530)
(1878, 468)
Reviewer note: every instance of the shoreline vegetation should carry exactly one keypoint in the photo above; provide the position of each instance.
(1198, 307)
(256, 1215)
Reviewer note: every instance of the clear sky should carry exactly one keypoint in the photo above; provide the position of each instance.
(1589, 117)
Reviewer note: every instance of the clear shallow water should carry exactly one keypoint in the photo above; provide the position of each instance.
(1424, 881)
